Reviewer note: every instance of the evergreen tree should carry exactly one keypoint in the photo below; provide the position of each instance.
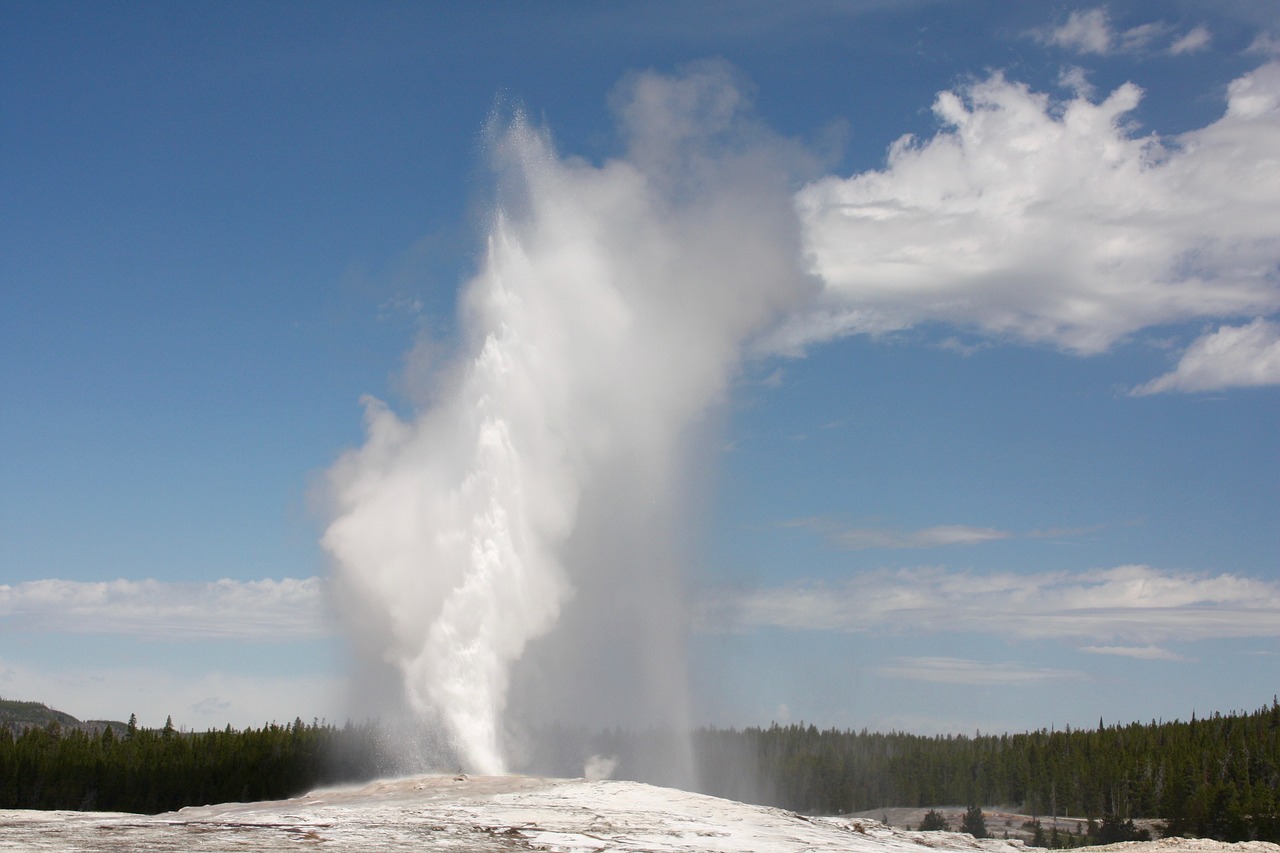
(974, 823)
(1113, 830)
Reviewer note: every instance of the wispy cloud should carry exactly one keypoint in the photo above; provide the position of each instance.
(1091, 31)
(1231, 356)
(1129, 604)
(943, 670)
(774, 379)
(858, 538)
(1037, 219)
(1139, 652)
(1266, 44)
(286, 609)
(1086, 31)
(1195, 40)
(956, 345)
(210, 706)
(929, 537)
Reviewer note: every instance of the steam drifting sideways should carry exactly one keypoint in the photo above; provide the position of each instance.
(532, 510)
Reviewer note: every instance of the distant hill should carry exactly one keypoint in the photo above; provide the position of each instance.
(16, 716)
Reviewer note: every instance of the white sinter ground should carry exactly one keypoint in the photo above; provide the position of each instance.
(501, 813)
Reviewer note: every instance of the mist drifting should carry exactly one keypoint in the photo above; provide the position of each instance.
(608, 317)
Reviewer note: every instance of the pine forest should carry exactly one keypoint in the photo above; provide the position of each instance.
(1215, 777)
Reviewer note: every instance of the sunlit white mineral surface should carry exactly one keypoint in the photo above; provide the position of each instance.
(501, 813)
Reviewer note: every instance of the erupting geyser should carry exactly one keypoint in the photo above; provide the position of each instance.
(608, 315)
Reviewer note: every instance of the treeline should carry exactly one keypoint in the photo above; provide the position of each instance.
(156, 770)
(1216, 777)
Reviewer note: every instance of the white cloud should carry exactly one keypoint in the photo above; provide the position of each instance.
(1130, 604)
(1197, 39)
(1267, 44)
(1232, 356)
(1139, 38)
(1087, 31)
(956, 345)
(944, 670)
(1090, 31)
(1256, 96)
(1139, 652)
(1044, 221)
(286, 609)
(1076, 79)
(840, 535)
(860, 538)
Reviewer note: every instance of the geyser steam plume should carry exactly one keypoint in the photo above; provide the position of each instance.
(608, 315)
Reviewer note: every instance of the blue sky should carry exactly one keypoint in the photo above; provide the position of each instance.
(1001, 453)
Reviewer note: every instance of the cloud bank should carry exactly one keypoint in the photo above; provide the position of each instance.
(1129, 604)
(263, 610)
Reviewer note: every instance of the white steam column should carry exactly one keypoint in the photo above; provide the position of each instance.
(609, 314)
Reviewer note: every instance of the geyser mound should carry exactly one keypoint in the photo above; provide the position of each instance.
(509, 813)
